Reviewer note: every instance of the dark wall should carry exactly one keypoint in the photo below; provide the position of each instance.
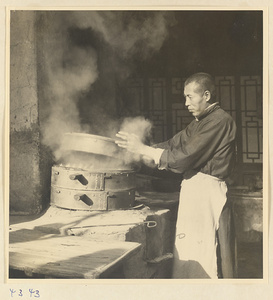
(221, 43)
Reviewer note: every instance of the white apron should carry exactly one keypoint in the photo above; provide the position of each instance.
(202, 199)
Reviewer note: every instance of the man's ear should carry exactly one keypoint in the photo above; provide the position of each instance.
(207, 95)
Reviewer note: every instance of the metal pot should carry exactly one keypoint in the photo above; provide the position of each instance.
(90, 143)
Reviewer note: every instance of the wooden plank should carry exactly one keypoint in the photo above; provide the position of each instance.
(66, 256)
(58, 221)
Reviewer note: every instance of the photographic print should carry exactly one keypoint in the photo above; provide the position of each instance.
(136, 144)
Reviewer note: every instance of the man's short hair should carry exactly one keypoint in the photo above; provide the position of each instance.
(205, 82)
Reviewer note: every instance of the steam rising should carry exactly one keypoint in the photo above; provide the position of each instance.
(66, 83)
(139, 126)
(72, 70)
(128, 32)
(142, 128)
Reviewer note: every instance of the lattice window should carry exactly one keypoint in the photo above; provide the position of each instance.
(180, 114)
(251, 114)
(135, 89)
(225, 94)
(158, 108)
(178, 86)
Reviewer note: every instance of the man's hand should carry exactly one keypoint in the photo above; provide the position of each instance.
(133, 143)
(130, 141)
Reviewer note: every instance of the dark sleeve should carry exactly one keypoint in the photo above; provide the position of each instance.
(189, 151)
(163, 145)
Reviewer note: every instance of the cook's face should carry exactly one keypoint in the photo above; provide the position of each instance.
(196, 101)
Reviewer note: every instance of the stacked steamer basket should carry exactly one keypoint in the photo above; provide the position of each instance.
(98, 187)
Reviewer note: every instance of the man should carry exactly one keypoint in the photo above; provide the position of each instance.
(203, 152)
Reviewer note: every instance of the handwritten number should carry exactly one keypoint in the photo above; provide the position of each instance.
(12, 291)
(37, 294)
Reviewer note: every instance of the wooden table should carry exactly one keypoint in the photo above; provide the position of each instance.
(56, 256)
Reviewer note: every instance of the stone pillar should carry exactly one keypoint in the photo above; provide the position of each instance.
(28, 177)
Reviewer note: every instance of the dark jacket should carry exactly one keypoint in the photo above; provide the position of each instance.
(206, 145)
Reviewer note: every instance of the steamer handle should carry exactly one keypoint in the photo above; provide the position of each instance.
(79, 177)
(84, 198)
(79, 197)
(75, 176)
